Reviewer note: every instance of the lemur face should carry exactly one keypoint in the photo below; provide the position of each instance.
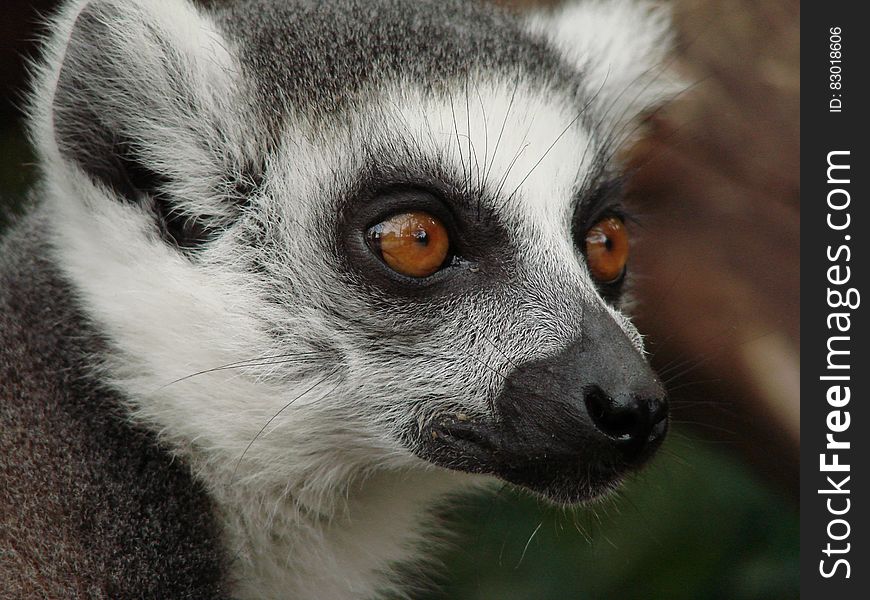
(483, 277)
(342, 237)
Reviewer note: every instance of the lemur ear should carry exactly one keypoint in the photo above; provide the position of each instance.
(621, 48)
(143, 105)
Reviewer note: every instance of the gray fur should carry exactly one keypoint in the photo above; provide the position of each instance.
(322, 57)
(90, 506)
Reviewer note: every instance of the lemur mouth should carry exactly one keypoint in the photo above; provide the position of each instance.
(567, 426)
(561, 473)
(460, 444)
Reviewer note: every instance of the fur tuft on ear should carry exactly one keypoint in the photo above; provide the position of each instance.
(139, 95)
(622, 49)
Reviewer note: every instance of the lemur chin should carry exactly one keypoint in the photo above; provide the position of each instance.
(297, 272)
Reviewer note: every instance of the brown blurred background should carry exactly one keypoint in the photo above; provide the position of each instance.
(717, 248)
(719, 181)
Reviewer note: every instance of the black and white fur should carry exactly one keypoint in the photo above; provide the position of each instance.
(209, 387)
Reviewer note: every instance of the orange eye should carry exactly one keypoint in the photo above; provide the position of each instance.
(414, 243)
(607, 249)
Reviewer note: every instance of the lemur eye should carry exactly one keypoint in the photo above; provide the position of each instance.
(607, 249)
(414, 243)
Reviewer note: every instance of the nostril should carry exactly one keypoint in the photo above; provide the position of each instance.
(636, 424)
(658, 409)
(622, 421)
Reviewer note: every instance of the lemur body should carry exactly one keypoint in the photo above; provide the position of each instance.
(213, 384)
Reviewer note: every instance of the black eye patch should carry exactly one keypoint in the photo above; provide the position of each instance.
(604, 198)
(602, 201)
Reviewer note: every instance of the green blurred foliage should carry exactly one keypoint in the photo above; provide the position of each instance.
(695, 524)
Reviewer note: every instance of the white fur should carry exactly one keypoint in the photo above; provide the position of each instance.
(318, 496)
(622, 46)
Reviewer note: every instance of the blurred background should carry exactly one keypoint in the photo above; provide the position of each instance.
(715, 181)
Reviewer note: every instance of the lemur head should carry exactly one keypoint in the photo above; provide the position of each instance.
(327, 238)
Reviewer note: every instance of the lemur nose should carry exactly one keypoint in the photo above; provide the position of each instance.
(636, 423)
(587, 414)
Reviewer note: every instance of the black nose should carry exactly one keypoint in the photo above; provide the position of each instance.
(570, 425)
(636, 423)
(600, 402)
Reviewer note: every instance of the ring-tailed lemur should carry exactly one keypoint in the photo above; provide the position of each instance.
(300, 270)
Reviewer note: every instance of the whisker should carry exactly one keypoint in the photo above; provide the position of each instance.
(650, 533)
(468, 132)
(523, 145)
(620, 118)
(525, 549)
(674, 456)
(458, 141)
(663, 68)
(618, 140)
(687, 384)
(709, 426)
(456, 137)
(672, 365)
(485, 151)
(501, 131)
(610, 148)
(575, 517)
(252, 362)
(559, 137)
(275, 416)
(589, 144)
(489, 511)
(613, 147)
(680, 370)
(473, 150)
(497, 349)
(488, 366)
(692, 440)
(540, 160)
